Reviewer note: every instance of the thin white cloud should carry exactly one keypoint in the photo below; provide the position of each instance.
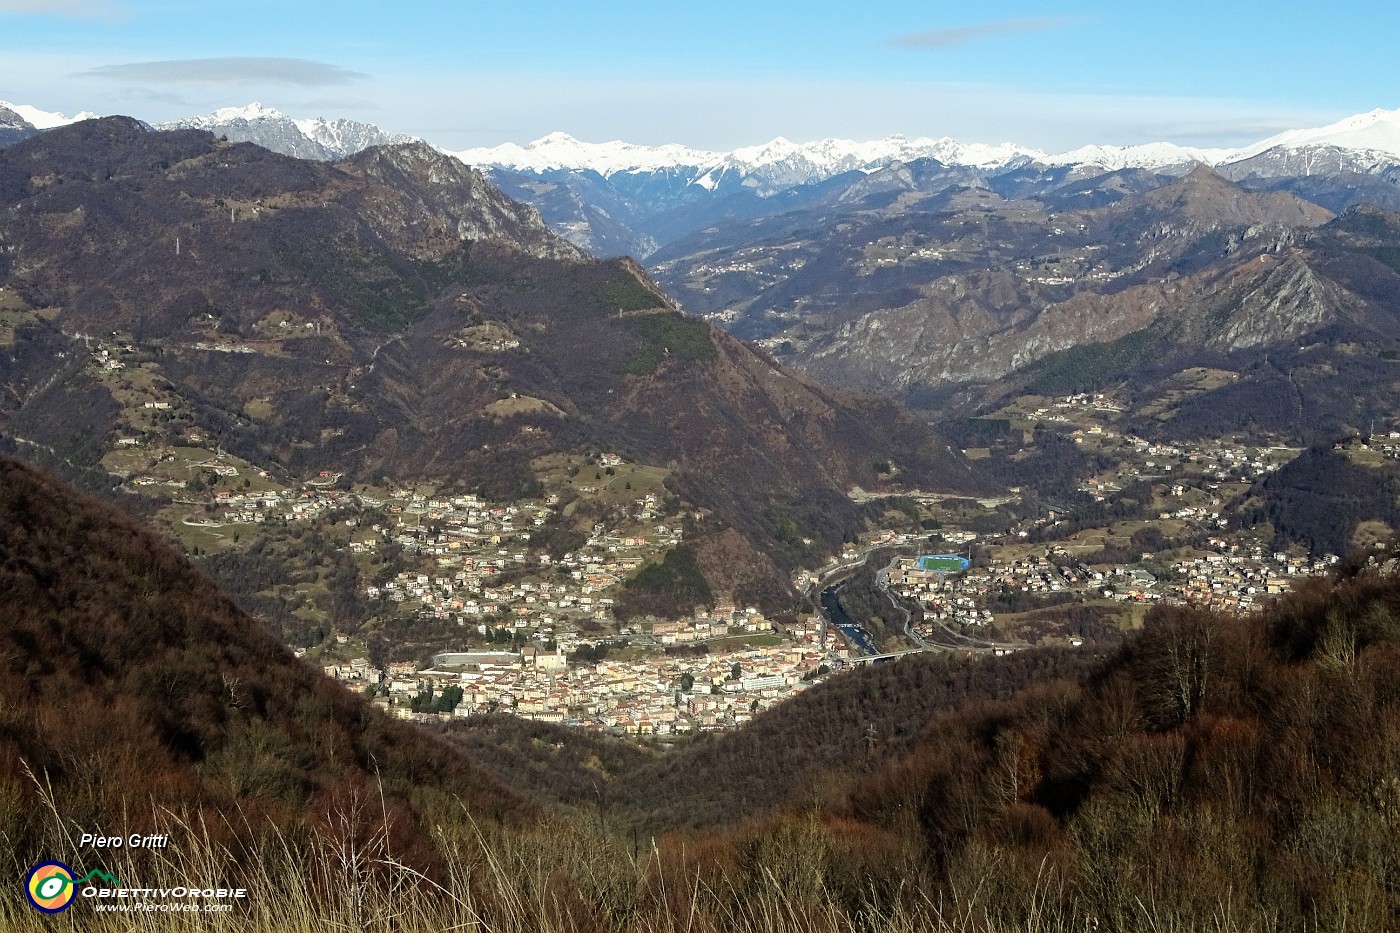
(299, 72)
(69, 9)
(962, 35)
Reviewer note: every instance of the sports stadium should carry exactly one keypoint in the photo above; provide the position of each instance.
(944, 563)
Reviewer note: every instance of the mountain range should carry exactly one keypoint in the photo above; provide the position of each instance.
(782, 163)
(956, 297)
(620, 198)
(654, 177)
(314, 138)
(952, 284)
(982, 260)
(442, 333)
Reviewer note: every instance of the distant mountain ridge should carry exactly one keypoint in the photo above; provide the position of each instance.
(44, 119)
(775, 164)
(315, 138)
(1376, 132)
(616, 198)
(770, 166)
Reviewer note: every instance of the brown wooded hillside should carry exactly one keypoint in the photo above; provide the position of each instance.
(1219, 773)
(807, 751)
(129, 685)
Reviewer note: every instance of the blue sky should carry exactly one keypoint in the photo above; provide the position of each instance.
(719, 74)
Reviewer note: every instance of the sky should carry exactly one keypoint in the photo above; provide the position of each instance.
(720, 74)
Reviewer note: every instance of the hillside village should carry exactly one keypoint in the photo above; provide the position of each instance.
(1205, 563)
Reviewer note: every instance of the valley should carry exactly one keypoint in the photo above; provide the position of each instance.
(927, 536)
(587, 550)
(438, 604)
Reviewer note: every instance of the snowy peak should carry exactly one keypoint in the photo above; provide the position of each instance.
(224, 115)
(1148, 156)
(781, 162)
(315, 138)
(13, 127)
(562, 151)
(774, 164)
(1376, 131)
(831, 156)
(21, 121)
(44, 119)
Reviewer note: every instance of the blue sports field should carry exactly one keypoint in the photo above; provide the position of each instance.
(944, 563)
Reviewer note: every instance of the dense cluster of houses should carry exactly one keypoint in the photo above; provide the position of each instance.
(1236, 577)
(1229, 576)
(654, 694)
(1214, 460)
(464, 546)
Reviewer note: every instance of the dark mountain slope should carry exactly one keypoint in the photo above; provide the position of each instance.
(1206, 199)
(131, 686)
(810, 749)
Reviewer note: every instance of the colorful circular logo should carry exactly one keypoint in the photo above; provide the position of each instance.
(50, 887)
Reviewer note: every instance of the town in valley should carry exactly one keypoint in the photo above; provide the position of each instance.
(508, 606)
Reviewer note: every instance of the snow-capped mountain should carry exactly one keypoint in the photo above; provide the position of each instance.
(560, 150)
(20, 121)
(316, 138)
(774, 165)
(1366, 144)
(1377, 131)
(44, 119)
(14, 127)
(1157, 156)
(617, 197)
(782, 163)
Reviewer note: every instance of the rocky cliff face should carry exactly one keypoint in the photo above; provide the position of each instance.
(317, 138)
(976, 329)
(1302, 161)
(428, 202)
